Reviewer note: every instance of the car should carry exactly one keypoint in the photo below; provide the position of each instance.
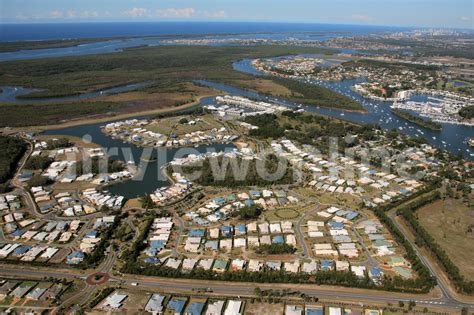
(134, 284)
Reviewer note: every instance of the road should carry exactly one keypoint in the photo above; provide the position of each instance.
(229, 289)
(299, 233)
(232, 289)
(442, 285)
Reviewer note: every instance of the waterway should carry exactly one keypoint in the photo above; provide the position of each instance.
(149, 176)
(152, 34)
(451, 137)
(10, 94)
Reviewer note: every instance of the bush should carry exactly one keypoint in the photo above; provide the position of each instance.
(38, 162)
(39, 180)
(275, 249)
(249, 212)
(59, 143)
(467, 112)
(11, 151)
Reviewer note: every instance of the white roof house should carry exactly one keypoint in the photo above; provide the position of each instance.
(233, 307)
(114, 301)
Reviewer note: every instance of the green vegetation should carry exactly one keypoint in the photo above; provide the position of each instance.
(249, 212)
(59, 143)
(28, 45)
(424, 282)
(317, 95)
(424, 239)
(275, 249)
(428, 124)
(183, 120)
(238, 172)
(39, 180)
(131, 255)
(310, 129)
(94, 259)
(11, 151)
(467, 112)
(14, 115)
(146, 202)
(38, 162)
(396, 65)
(171, 69)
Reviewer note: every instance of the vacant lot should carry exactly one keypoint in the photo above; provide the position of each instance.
(451, 223)
(264, 308)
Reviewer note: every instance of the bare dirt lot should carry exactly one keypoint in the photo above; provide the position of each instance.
(264, 308)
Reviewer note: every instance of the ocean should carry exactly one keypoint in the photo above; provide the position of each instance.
(55, 31)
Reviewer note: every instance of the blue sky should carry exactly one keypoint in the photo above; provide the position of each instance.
(436, 13)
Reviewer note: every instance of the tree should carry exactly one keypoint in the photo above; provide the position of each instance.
(39, 180)
(38, 162)
(249, 212)
(147, 202)
(59, 143)
(467, 112)
(11, 151)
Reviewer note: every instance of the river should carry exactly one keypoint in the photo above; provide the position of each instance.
(10, 94)
(451, 137)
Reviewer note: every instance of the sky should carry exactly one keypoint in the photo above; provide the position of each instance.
(426, 13)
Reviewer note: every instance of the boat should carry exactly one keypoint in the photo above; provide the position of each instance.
(470, 141)
(130, 160)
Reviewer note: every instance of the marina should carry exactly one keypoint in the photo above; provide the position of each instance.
(377, 112)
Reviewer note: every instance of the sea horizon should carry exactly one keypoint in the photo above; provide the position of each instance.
(83, 30)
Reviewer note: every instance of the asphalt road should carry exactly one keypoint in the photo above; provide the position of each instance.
(234, 288)
(444, 287)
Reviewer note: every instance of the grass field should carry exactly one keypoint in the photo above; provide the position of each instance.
(170, 69)
(448, 222)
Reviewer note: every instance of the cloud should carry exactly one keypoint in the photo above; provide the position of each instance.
(217, 14)
(71, 14)
(361, 17)
(56, 14)
(137, 12)
(465, 18)
(176, 13)
(90, 14)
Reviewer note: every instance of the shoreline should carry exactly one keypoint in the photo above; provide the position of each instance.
(90, 121)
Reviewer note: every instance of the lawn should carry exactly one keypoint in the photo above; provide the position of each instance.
(449, 222)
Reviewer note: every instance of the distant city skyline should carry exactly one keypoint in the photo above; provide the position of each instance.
(409, 13)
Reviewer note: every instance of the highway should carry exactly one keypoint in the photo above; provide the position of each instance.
(226, 288)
